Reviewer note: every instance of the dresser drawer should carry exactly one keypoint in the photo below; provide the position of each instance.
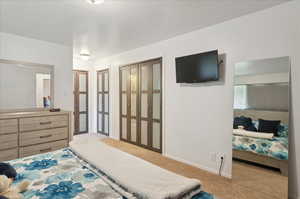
(42, 148)
(8, 126)
(8, 141)
(8, 155)
(42, 136)
(39, 123)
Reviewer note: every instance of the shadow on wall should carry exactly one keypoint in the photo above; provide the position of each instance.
(222, 57)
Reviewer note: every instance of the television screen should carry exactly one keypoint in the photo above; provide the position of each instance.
(197, 68)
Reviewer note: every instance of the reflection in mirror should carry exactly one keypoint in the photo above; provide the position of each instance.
(261, 125)
(25, 86)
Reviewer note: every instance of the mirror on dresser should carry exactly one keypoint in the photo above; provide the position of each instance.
(27, 127)
(25, 85)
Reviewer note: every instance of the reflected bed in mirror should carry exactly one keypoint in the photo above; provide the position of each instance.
(261, 123)
(25, 86)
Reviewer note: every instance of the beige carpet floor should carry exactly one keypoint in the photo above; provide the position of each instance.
(249, 182)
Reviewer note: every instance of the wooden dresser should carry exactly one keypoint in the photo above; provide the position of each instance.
(28, 133)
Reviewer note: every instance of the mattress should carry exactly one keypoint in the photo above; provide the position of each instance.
(276, 147)
(62, 175)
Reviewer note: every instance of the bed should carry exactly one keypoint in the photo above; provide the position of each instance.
(268, 152)
(68, 173)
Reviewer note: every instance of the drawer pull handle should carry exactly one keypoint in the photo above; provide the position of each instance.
(45, 123)
(46, 150)
(45, 136)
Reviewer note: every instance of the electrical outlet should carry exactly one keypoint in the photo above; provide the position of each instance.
(220, 162)
(220, 156)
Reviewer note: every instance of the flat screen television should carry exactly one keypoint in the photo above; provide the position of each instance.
(203, 67)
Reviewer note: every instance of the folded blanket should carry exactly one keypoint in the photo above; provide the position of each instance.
(139, 177)
(243, 132)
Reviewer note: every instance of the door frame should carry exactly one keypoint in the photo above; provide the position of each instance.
(76, 94)
(103, 100)
(138, 111)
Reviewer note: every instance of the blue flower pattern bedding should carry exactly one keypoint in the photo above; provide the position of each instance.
(276, 147)
(59, 175)
(63, 175)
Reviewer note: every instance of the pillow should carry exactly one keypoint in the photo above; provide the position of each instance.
(246, 122)
(283, 130)
(269, 126)
(255, 123)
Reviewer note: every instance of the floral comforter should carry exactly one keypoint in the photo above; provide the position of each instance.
(64, 175)
(276, 148)
(61, 175)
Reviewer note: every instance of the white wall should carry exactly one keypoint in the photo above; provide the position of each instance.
(198, 119)
(19, 48)
(268, 97)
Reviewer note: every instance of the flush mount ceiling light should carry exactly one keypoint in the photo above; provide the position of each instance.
(85, 56)
(95, 1)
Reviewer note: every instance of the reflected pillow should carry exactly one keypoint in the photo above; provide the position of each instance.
(283, 130)
(255, 123)
(246, 122)
(269, 126)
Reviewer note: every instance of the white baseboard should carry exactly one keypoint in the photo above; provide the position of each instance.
(211, 170)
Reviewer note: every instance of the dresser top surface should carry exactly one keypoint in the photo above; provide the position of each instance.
(22, 114)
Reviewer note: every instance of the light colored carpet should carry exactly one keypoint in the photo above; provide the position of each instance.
(248, 181)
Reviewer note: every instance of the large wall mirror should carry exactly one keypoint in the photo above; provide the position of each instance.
(261, 125)
(25, 86)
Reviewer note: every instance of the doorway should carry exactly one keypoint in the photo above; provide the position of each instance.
(81, 97)
(103, 102)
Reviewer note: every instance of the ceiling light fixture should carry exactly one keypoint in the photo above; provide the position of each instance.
(85, 56)
(95, 1)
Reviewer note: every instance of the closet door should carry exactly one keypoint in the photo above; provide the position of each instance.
(140, 104)
(129, 103)
(103, 102)
(145, 104)
(80, 101)
(151, 105)
(124, 103)
(156, 104)
(134, 104)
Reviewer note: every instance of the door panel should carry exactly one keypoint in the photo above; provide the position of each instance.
(144, 105)
(106, 103)
(82, 102)
(156, 135)
(156, 113)
(82, 123)
(133, 130)
(141, 104)
(124, 128)
(80, 87)
(156, 105)
(103, 101)
(82, 82)
(144, 133)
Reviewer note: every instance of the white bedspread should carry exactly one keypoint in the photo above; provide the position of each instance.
(138, 176)
(243, 132)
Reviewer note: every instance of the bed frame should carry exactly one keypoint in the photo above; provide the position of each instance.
(257, 158)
